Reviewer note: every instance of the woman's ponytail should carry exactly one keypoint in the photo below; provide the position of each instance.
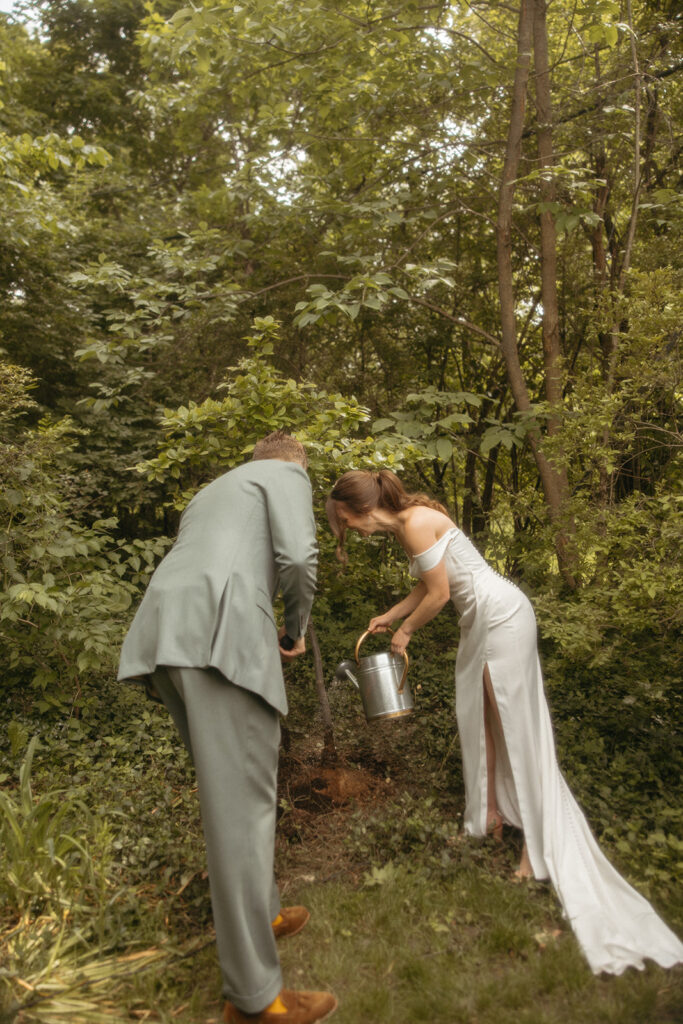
(391, 492)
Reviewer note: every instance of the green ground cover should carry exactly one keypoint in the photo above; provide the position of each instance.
(105, 907)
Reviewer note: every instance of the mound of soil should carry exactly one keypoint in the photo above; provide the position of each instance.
(316, 804)
(319, 795)
(317, 789)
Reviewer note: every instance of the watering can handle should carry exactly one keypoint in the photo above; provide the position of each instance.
(405, 657)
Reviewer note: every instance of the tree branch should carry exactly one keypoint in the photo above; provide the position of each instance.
(665, 73)
(460, 321)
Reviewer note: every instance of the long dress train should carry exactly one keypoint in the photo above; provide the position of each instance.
(615, 926)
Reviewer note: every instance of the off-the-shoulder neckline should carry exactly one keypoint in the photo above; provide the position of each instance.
(451, 529)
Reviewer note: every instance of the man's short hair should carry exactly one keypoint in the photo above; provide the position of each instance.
(280, 445)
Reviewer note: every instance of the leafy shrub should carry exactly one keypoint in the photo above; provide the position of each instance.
(67, 583)
(45, 850)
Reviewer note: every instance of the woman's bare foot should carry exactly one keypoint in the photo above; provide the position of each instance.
(525, 869)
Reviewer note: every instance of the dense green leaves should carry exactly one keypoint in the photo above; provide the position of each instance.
(67, 584)
(222, 219)
(240, 218)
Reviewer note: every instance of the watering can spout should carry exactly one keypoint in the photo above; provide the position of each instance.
(343, 672)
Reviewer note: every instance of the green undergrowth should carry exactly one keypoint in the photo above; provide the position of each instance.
(104, 904)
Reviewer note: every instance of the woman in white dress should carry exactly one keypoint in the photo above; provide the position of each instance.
(510, 768)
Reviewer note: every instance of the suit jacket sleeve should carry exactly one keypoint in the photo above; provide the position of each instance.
(292, 529)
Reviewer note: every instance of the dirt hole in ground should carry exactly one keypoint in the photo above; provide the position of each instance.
(308, 785)
(309, 789)
(315, 788)
(317, 801)
(322, 795)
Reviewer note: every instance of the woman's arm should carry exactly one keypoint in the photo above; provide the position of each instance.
(435, 595)
(420, 530)
(381, 623)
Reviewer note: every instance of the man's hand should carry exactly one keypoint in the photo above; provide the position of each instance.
(298, 647)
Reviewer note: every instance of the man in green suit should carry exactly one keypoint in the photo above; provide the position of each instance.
(205, 640)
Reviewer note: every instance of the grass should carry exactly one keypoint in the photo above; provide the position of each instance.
(473, 949)
(411, 921)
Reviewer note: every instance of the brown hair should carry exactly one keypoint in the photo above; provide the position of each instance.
(280, 445)
(363, 490)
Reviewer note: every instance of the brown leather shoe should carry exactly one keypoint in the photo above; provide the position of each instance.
(302, 1008)
(293, 920)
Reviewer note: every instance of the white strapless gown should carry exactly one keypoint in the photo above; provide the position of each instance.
(615, 926)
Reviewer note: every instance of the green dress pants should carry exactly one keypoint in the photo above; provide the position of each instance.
(233, 738)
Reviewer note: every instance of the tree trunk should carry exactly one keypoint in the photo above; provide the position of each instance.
(620, 268)
(471, 495)
(552, 352)
(329, 748)
(554, 490)
(552, 356)
(489, 480)
(504, 223)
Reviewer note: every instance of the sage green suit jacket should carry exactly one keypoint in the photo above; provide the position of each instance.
(242, 538)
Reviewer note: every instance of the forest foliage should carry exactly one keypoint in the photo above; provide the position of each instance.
(440, 236)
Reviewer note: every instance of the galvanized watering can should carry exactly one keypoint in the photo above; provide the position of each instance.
(381, 680)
